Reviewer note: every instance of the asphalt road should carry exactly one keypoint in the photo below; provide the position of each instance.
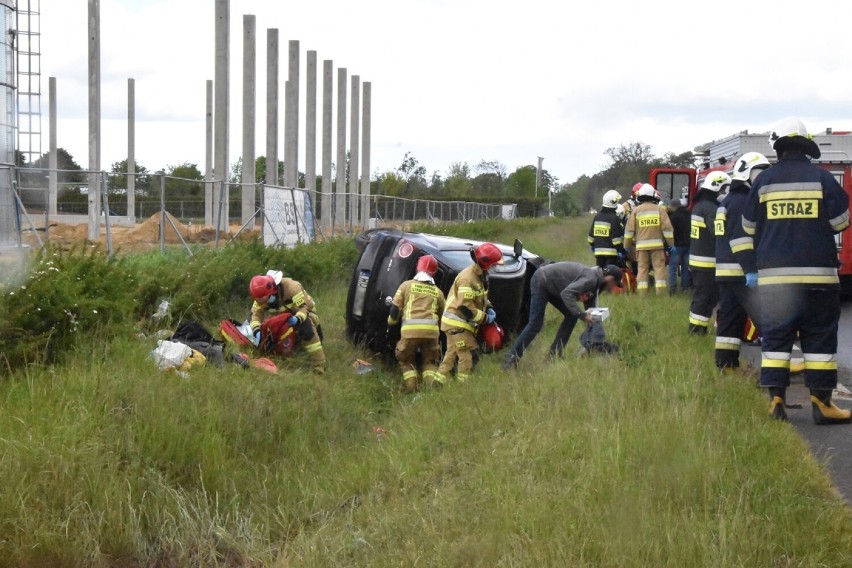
(830, 444)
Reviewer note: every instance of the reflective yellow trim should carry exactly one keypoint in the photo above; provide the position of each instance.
(727, 346)
(421, 327)
(775, 364)
(699, 323)
(802, 279)
(410, 375)
(742, 247)
(729, 272)
(313, 347)
(820, 365)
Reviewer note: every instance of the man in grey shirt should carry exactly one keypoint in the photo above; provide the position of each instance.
(562, 284)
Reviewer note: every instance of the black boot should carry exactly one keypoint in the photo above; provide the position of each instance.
(777, 397)
(825, 411)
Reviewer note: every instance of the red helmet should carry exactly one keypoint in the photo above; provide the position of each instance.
(487, 255)
(427, 264)
(492, 336)
(636, 187)
(262, 287)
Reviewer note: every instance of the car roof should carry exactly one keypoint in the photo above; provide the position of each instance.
(439, 243)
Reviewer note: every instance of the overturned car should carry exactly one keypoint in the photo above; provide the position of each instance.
(389, 257)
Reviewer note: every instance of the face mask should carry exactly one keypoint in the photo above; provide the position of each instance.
(272, 299)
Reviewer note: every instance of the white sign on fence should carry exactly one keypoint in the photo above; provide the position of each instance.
(285, 222)
(509, 212)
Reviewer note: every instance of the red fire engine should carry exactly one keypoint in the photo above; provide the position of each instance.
(683, 183)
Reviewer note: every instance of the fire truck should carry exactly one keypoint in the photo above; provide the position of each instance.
(720, 155)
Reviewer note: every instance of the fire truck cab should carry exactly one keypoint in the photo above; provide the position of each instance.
(720, 155)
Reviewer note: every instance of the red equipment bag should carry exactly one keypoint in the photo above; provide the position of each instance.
(628, 279)
(229, 332)
(277, 336)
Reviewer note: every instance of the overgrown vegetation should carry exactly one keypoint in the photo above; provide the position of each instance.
(647, 459)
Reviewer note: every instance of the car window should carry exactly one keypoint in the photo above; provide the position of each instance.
(458, 260)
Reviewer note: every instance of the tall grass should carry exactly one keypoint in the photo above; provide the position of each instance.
(646, 459)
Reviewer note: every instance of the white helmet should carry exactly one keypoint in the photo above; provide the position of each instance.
(611, 199)
(716, 181)
(746, 163)
(792, 132)
(647, 190)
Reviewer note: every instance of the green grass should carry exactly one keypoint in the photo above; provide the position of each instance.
(646, 459)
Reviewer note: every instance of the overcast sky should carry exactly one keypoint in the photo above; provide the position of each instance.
(464, 80)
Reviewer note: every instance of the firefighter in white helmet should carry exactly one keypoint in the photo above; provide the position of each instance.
(793, 212)
(702, 252)
(736, 301)
(606, 235)
(649, 231)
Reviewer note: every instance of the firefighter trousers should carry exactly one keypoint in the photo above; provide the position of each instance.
(461, 346)
(604, 261)
(311, 342)
(814, 314)
(737, 304)
(705, 296)
(430, 356)
(646, 259)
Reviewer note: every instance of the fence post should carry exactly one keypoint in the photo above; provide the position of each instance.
(105, 205)
(163, 213)
(219, 214)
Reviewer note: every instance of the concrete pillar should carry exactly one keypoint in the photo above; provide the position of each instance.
(340, 182)
(131, 150)
(291, 118)
(52, 157)
(208, 158)
(327, 99)
(311, 129)
(272, 106)
(221, 112)
(94, 231)
(249, 176)
(354, 152)
(366, 133)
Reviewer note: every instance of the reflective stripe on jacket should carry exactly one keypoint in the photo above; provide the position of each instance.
(420, 307)
(467, 301)
(648, 228)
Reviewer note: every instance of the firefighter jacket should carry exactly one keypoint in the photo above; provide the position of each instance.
(649, 228)
(290, 297)
(606, 234)
(702, 235)
(572, 282)
(419, 304)
(467, 301)
(728, 223)
(793, 212)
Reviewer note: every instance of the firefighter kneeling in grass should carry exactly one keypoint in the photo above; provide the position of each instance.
(273, 294)
(467, 309)
(419, 303)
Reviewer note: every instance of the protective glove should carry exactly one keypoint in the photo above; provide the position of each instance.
(622, 256)
(751, 279)
(490, 315)
(257, 336)
(293, 321)
(591, 249)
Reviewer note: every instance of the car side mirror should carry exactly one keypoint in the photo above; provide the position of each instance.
(519, 248)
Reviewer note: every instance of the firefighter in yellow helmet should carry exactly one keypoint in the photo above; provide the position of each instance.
(273, 294)
(467, 309)
(649, 231)
(419, 303)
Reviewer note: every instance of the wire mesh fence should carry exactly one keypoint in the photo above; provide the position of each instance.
(149, 210)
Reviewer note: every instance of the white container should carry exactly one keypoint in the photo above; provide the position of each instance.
(599, 314)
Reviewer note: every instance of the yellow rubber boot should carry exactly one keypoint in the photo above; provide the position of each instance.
(776, 409)
(828, 413)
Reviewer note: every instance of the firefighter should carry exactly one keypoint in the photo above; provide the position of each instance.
(273, 294)
(606, 235)
(467, 309)
(419, 303)
(679, 253)
(736, 301)
(562, 285)
(702, 252)
(632, 202)
(648, 231)
(793, 212)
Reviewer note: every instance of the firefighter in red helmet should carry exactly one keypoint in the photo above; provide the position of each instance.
(418, 305)
(273, 294)
(467, 309)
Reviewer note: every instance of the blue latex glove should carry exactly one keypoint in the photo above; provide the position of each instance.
(751, 279)
(591, 249)
(490, 315)
(622, 256)
(293, 321)
(257, 336)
